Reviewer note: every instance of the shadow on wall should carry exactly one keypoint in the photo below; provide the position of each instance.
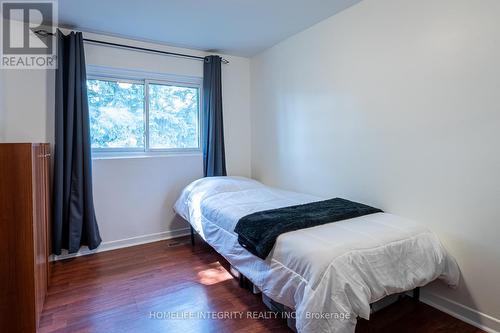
(178, 223)
(431, 295)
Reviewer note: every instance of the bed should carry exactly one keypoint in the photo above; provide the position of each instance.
(329, 274)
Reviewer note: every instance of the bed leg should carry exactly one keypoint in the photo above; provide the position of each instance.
(245, 283)
(242, 280)
(416, 294)
(192, 236)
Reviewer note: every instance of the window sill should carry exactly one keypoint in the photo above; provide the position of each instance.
(129, 155)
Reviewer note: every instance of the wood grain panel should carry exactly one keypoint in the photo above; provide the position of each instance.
(40, 197)
(23, 272)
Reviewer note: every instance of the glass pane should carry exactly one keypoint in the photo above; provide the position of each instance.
(173, 117)
(116, 111)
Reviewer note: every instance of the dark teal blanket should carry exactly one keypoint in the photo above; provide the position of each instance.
(258, 232)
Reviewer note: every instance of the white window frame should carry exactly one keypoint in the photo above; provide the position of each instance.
(146, 78)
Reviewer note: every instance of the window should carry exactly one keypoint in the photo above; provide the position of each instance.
(143, 115)
(116, 110)
(173, 116)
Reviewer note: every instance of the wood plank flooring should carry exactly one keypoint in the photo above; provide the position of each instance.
(132, 289)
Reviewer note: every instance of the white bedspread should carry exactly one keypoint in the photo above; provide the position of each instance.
(322, 272)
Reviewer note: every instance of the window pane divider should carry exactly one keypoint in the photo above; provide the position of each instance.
(146, 116)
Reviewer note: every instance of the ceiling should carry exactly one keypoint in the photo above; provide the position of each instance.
(235, 27)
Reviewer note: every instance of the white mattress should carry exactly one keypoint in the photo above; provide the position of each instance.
(332, 269)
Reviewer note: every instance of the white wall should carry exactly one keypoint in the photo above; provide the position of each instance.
(133, 196)
(27, 97)
(395, 103)
(2, 107)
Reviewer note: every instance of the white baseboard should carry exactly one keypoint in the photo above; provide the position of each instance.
(121, 243)
(471, 316)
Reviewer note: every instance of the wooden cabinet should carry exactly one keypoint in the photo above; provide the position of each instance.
(24, 220)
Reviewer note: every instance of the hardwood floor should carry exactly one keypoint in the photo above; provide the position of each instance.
(131, 290)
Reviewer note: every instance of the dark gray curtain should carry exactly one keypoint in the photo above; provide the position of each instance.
(214, 160)
(74, 222)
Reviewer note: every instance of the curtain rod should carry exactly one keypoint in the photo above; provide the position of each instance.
(44, 33)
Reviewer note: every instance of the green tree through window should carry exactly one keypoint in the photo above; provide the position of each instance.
(118, 117)
(173, 117)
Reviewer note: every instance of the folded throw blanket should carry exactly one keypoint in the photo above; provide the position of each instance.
(258, 232)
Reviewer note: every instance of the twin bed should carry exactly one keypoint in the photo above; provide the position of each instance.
(329, 274)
